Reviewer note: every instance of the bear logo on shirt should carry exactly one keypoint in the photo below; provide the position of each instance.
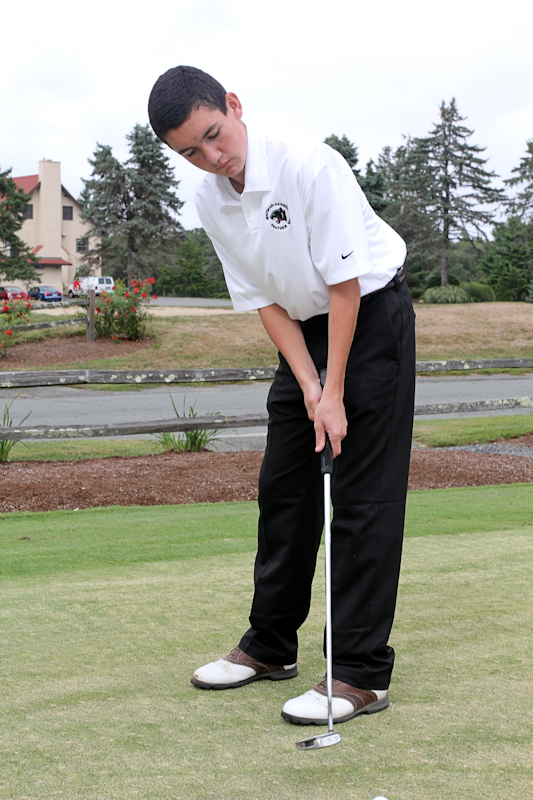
(278, 216)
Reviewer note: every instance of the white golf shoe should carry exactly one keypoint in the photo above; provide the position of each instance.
(311, 708)
(237, 669)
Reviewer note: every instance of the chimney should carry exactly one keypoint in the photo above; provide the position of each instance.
(50, 209)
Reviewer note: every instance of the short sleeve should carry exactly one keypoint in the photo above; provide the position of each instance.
(335, 209)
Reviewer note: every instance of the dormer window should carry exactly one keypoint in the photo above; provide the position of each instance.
(68, 212)
(28, 213)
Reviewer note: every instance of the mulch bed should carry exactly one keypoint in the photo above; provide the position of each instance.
(211, 478)
(73, 350)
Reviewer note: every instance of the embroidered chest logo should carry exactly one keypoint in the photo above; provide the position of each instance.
(278, 216)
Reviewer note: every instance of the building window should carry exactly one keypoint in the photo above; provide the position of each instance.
(67, 212)
(81, 245)
(28, 214)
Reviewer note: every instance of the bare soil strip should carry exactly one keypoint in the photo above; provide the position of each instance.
(208, 477)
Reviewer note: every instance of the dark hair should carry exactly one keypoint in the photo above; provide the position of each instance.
(179, 92)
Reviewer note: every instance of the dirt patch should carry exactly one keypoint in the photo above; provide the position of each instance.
(176, 478)
(74, 350)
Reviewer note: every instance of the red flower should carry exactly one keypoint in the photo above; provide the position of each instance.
(28, 305)
(9, 333)
(127, 294)
(107, 300)
(154, 297)
(136, 289)
(144, 294)
(133, 309)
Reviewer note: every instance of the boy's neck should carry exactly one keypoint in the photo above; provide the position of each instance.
(237, 185)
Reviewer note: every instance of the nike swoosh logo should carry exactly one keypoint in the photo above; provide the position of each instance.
(349, 254)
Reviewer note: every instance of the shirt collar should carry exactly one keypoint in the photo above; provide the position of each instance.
(256, 174)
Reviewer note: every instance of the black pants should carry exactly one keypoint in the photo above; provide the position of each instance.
(369, 487)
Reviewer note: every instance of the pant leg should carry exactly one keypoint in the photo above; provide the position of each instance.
(369, 487)
(290, 526)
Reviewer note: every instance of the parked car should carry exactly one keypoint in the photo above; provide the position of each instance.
(13, 293)
(82, 285)
(46, 293)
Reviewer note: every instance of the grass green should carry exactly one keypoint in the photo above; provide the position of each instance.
(105, 613)
(102, 537)
(434, 433)
(82, 449)
(473, 430)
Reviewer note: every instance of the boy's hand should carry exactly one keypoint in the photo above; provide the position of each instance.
(312, 392)
(330, 418)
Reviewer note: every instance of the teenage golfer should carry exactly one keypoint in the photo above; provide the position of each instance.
(300, 244)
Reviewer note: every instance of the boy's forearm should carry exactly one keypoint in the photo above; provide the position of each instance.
(287, 335)
(344, 302)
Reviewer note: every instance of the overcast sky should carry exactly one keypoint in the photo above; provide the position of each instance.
(76, 74)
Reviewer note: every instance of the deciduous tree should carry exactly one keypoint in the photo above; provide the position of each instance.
(16, 261)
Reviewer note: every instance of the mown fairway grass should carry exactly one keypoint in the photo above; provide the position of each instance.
(105, 613)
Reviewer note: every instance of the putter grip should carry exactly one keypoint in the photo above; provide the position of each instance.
(326, 455)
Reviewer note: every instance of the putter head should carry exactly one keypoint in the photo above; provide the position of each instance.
(319, 741)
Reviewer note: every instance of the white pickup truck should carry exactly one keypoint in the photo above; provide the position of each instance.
(82, 286)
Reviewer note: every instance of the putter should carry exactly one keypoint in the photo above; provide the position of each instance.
(326, 467)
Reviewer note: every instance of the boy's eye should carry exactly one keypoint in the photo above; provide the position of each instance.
(214, 135)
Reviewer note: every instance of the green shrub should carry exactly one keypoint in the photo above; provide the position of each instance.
(124, 311)
(446, 294)
(416, 292)
(12, 313)
(529, 298)
(434, 280)
(479, 292)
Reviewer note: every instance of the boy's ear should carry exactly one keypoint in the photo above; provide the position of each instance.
(234, 104)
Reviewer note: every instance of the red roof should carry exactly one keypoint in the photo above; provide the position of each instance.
(53, 262)
(27, 183)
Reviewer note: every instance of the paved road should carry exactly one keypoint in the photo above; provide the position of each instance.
(68, 405)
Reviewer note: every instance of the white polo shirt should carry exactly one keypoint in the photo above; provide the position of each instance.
(301, 225)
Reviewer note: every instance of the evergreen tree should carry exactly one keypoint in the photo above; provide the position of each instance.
(192, 270)
(347, 149)
(464, 188)
(409, 198)
(522, 204)
(509, 259)
(16, 261)
(132, 207)
(372, 183)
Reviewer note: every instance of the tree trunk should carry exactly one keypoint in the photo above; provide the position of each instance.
(130, 266)
(444, 258)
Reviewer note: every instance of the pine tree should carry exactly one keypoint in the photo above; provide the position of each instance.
(132, 207)
(464, 187)
(509, 259)
(16, 261)
(372, 183)
(522, 204)
(347, 149)
(409, 198)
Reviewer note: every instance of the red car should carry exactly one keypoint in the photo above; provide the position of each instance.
(13, 293)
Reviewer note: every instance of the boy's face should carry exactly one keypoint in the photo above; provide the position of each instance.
(213, 141)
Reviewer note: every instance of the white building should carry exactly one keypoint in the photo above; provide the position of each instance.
(53, 228)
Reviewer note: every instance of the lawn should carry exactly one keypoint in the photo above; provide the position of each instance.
(105, 614)
(434, 433)
(471, 430)
(478, 330)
